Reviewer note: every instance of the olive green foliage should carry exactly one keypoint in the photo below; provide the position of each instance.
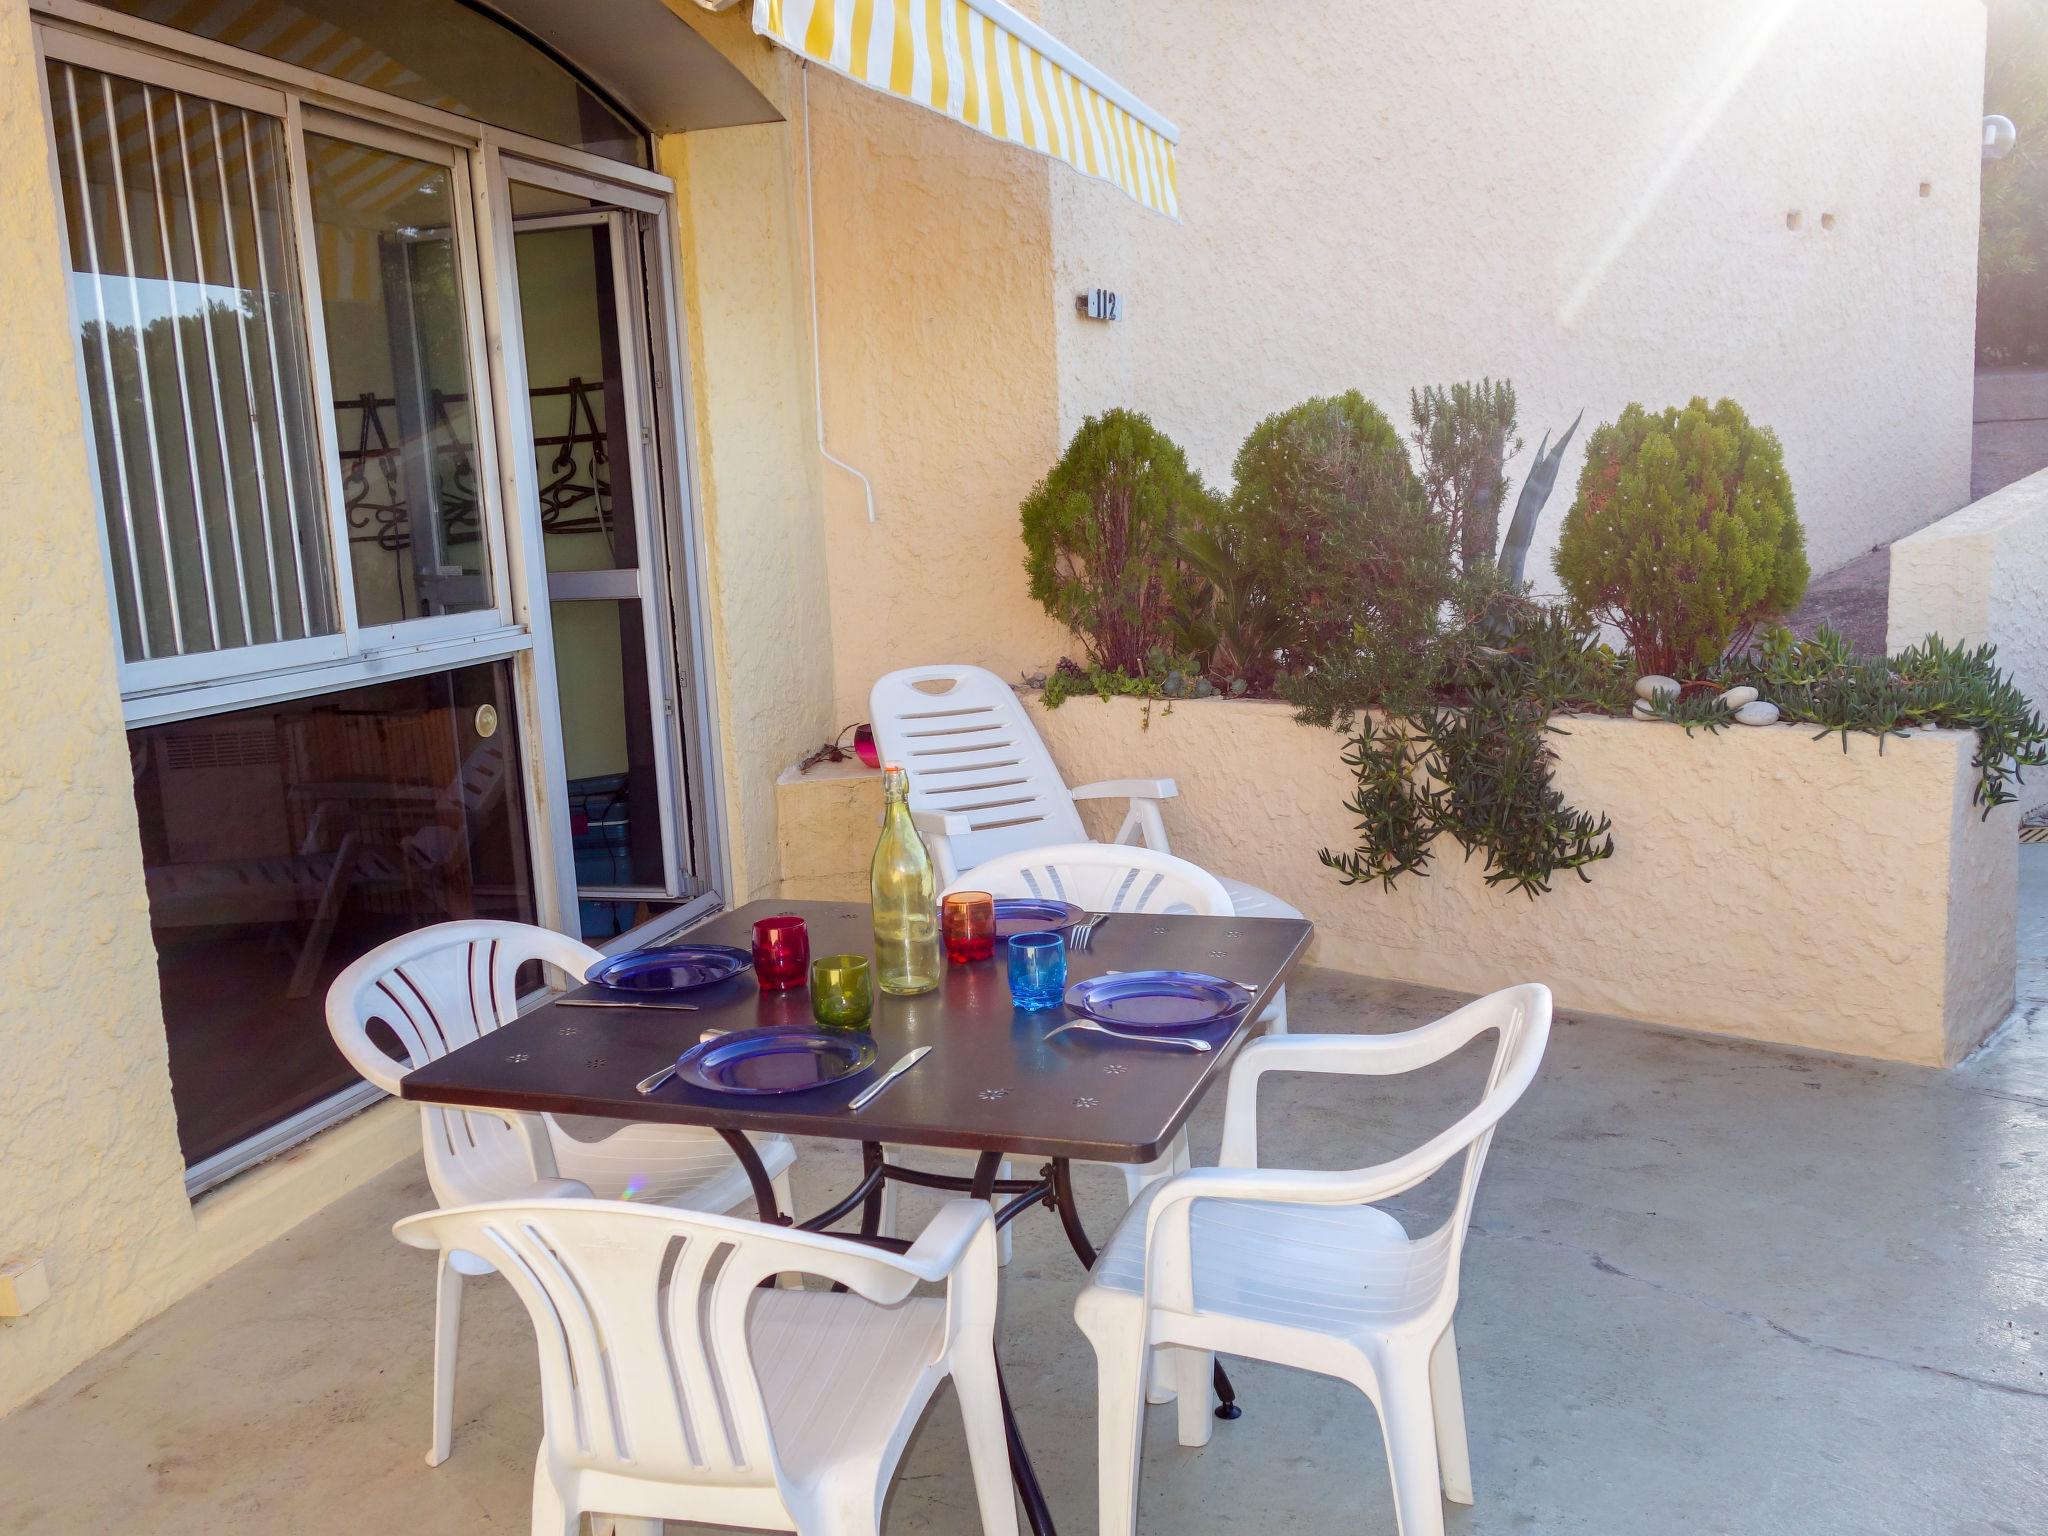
(1102, 537)
(1469, 756)
(1463, 438)
(1336, 533)
(1935, 684)
(1684, 533)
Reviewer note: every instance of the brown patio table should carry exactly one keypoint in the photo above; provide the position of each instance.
(993, 1083)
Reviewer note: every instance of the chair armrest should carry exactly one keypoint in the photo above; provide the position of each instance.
(942, 823)
(946, 1238)
(1126, 789)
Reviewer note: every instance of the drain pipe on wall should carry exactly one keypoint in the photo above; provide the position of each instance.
(817, 366)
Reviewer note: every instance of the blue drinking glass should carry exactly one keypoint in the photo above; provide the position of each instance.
(1038, 970)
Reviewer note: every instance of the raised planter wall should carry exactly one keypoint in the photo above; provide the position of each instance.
(1764, 884)
(1981, 574)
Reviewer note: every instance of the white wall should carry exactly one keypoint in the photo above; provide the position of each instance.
(1589, 198)
(1981, 575)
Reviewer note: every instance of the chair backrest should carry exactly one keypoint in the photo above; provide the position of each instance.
(437, 988)
(963, 736)
(1103, 877)
(641, 1317)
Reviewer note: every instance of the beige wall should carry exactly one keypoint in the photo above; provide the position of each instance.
(90, 1175)
(935, 309)
(1588, 198)
(747, 328)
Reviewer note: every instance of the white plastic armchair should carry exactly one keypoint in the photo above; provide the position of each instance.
(443, 986)
(1103, 877)
(1301, 1268)
(674, 1386)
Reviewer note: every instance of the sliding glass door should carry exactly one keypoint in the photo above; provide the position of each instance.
(605, 533)
(380, 405)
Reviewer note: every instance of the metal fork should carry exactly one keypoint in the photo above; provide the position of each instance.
(1182, 1042)
(1082, 935)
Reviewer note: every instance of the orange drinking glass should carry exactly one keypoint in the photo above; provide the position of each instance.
(967, 921)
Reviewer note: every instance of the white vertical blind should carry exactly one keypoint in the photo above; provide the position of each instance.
(195, 368)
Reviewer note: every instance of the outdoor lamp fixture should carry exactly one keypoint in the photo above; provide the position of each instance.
(1999, 133)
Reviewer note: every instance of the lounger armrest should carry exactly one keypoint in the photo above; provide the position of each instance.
(1127, 789)
(941, 823)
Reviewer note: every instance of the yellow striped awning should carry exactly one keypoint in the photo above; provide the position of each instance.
(980, 63)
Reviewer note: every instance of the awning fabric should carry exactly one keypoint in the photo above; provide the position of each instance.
(982, 64)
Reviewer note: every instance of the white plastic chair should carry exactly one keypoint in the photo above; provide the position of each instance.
(443, 986)
(674, 1386)
(982, 783)
(1301, 1268)
(1103, 877)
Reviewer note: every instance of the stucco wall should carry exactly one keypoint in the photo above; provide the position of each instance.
(757, 475)
(935, 310)
(1764, 884)
(1589, 198)
(1981, 575)
(90, 1175)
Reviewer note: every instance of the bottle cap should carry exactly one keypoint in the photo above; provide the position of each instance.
(892, 767)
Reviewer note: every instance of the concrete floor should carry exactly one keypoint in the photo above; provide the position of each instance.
(1710, 1288)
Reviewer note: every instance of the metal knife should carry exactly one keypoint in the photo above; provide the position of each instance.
(607, 1002)
(861, 1099)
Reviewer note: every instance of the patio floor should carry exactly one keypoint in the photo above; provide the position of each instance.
(1710, 1288)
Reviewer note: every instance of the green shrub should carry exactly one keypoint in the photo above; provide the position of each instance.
(1101, 537)
(1337, 535)
(1463, 438)
(1684, 534)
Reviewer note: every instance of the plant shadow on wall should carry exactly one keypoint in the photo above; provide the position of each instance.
(1367, 592)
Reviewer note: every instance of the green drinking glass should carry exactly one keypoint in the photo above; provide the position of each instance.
(842, 992)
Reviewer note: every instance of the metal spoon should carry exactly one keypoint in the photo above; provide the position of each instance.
(1185, 1042)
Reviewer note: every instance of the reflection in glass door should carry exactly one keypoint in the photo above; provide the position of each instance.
(581, 311)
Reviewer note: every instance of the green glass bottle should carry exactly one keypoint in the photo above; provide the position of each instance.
(905, 895)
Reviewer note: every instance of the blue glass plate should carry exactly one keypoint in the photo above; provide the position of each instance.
(756, 1061)
(671, 969)
(1158, 1000)
(1017, 914)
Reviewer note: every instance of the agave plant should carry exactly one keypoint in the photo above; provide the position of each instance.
(1514, 553)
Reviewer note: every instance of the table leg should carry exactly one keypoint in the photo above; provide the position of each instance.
(766, 1206)
(871, 1163)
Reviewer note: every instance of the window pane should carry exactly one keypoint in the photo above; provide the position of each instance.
(194, 363)
(397, 351)
(439, 53)
(608, 736)
(572, 366)
(281, 843)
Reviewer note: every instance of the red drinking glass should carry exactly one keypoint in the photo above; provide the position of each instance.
(967, 920)
(782, 952)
